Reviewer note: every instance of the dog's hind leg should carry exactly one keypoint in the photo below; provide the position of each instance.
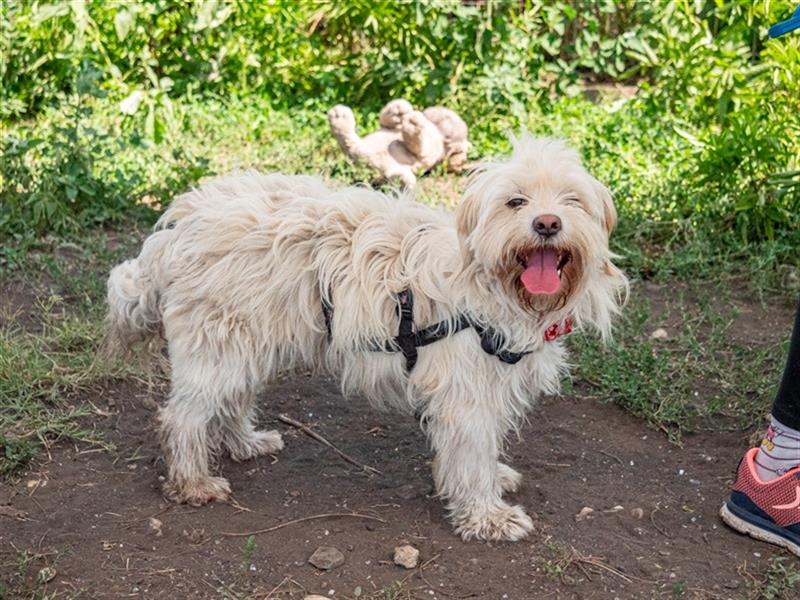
(186, 426)
(466, 438)
(508, 478)
(243, 440)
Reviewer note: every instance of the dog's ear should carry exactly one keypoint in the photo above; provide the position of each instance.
(607, 202)
(467, 215)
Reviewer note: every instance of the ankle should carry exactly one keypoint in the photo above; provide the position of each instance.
(779, 451)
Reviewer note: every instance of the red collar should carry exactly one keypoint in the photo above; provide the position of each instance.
(556, 330)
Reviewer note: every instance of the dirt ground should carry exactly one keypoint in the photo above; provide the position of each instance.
(95, 524)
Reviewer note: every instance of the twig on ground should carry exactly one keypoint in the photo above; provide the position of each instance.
(309, 432)
(658, 529)
(544, 463)
(419, 568)
(295, 521)
(276, 588)
(597, 562)
(609, 455)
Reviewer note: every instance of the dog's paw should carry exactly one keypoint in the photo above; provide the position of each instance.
(258, 444)
(508, 478)
(342, 120)
(199, 491)
(502, 523)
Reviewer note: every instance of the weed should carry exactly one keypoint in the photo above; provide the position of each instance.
(42, 373)
(15, 455)
(248, 552)
(698, 379)
(781, 581)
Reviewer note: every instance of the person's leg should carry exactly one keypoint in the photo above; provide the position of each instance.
(780, 449)
(765, 499)
(787, 403)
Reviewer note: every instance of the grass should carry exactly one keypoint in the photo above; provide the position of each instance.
(48, 365)
(703, 377)
(781, 581)
(41, 375)
(50, 368)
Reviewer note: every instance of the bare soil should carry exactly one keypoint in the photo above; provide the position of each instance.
(97, 517)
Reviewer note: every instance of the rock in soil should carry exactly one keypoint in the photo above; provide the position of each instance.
(46, 575)
(326, 558)
(406, 556)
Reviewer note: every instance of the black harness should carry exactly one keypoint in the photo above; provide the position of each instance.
(408, 338)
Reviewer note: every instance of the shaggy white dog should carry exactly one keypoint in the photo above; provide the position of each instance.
(242, 275)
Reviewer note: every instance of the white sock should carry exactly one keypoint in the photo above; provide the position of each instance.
(779, 451)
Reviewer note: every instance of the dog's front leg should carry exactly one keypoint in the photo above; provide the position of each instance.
(466, 437)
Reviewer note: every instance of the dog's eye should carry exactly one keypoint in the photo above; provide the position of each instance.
(516, 202)
(572, 201)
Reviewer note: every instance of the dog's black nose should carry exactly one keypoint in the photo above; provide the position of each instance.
(547, 225)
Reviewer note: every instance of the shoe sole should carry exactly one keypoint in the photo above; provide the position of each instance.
(757, 528)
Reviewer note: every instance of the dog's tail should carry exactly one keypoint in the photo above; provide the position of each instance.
(133, 293)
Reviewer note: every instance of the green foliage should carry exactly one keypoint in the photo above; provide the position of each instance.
(66, 173)
(248, 552)
(41, 372)
(780, 582)
(14, 455)
(309, 50)
(697, 379)
(709, 142)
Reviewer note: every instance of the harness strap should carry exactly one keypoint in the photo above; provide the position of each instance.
(408, 340)
(406, 335)
(327, 314)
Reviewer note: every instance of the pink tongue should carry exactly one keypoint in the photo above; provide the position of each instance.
(541, 272)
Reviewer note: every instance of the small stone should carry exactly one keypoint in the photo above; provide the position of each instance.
(637, 513)
(586, 513)
(195, 536)
(407, 492)
(731, 584)
(406, 556)
(326, 558)
(155, 525)
(315, 597)
(45, 575)
(659, 334)
(614, 509)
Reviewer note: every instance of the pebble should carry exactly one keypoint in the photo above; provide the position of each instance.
(406, 556)
(315, 597)
(637, 513)
(586, 513)
(659, 334)
(407, 492)
(326, 558)
(46, 574)
(155, 525)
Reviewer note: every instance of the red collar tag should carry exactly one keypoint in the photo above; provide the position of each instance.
(556, 330)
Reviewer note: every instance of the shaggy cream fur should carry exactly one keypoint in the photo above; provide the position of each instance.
(234, 275)
(408, 142)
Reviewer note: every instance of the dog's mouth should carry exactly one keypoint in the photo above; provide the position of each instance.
(543, 269)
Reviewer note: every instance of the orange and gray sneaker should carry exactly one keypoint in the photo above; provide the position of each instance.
(768, 511)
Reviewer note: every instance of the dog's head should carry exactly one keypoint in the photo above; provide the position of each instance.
(540, 223)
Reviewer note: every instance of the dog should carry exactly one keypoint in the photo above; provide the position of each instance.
(455, 316)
